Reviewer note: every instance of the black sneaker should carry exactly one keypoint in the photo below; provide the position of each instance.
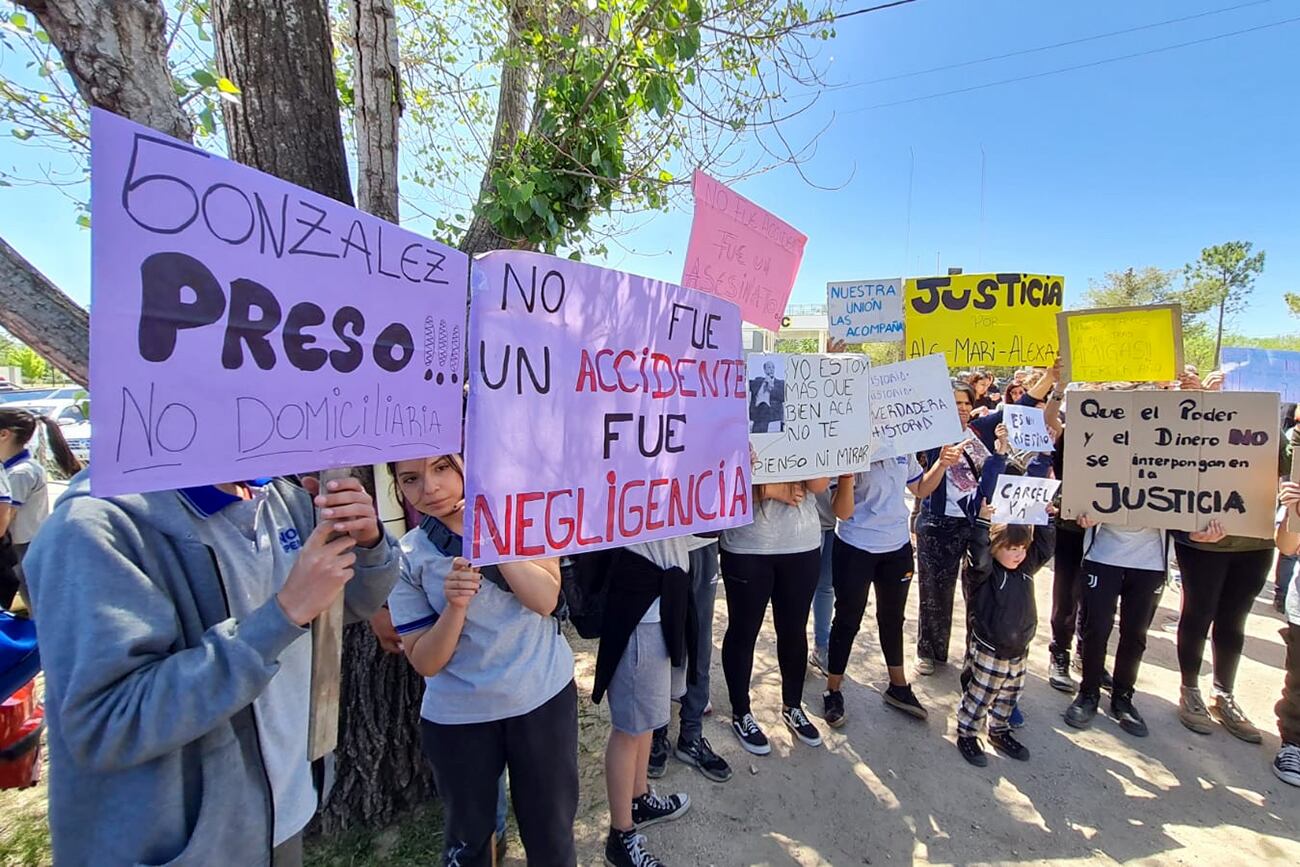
(627, 849)
(1121, 707)
(658, 754)
(1005, 743)
(1058, 673)
(833, 708)
(751, 737)
(797, 721)
(651, 809)
(1081, 711)
(973, 751)
(699, 755)
(902, 698)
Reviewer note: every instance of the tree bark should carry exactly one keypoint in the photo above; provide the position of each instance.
(381, 772)
(377, 105)
(116, 53)
(280, 54)
(39, 314)
(512, 107)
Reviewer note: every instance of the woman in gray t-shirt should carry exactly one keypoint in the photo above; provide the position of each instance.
(776, 559)
(499, 690)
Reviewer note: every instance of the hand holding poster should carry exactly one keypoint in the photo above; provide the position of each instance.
(866, 311)
(1262, 370)
(1023, 500)
(1007, 320)
(1173, 460)
(243, 327)
(740, 252)
(1027, 430)
(604, 409)
(824, 426)
(1122, 344)
(912, 408)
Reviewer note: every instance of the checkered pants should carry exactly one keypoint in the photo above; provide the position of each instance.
(994, 689)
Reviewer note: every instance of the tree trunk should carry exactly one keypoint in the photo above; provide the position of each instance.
(280, 54)
(377, 105)
(116, 53)
(38, 313)
(512, 107)
(117, 57)
(381, 772)
(1218, 337)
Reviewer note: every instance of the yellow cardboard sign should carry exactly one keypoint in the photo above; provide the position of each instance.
(1130, 344)
(1002, 320)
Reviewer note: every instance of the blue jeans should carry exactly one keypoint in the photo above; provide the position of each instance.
(704, 576)
(1283, 575)
(824, 601)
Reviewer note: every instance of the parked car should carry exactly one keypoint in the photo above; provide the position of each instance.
(61, 404)
(78, 436)
(24, 394)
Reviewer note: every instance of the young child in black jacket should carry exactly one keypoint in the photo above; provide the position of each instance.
(1002, 562)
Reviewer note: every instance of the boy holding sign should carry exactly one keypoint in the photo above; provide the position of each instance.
(184, 655)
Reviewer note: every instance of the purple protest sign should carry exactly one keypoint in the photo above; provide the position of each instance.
(242, 326)
(604, 409)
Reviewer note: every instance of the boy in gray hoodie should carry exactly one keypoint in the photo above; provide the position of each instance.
(173, 630)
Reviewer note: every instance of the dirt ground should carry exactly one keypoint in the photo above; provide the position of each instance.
(889, 789)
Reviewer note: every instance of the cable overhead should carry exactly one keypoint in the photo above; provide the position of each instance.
(1049, 72)
(1024, 51)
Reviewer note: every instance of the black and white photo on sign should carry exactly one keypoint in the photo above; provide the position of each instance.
(766, 374)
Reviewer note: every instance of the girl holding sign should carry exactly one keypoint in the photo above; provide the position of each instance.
(776, 559)
(499, 690)
(873, 546)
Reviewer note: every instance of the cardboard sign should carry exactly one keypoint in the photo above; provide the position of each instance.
(604, 409)
(866, 311)
(244, 327)
(740, 252)
(1262, 370)
(1026, 429)
(912, 408)
(1122, 344)
(1023, 500)
(824, 426)
(1004, 320)
(1173, 460)
(1293, 516)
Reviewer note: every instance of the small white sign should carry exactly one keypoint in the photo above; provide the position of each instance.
(1027, 429)
(810, 415)
(912, 407)
(866, 311)
(1023, 499)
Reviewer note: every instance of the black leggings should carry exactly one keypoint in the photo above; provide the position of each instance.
(1065, 587)
(1218, 588)
(541, 750)
(854, 572)
(1138, 593)
(789, 581)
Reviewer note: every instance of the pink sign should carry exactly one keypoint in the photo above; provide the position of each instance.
(604, 409)
(740, 252)
(244, 327)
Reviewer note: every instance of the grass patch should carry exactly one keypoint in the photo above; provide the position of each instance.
(415, 840)
(25, 842)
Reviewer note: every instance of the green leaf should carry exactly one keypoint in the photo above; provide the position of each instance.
(225, 85)
(208, 122)
(18, 20)
(575, 256)
(204, 78)
(22, 134)
(84, 221)
(42, 37)
(665, 176)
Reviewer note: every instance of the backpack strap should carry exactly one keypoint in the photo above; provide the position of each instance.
(451, 545)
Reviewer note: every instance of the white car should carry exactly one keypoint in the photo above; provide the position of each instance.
(78, 436)
(61, 404)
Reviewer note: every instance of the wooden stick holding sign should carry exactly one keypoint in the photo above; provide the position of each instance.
(326, 662)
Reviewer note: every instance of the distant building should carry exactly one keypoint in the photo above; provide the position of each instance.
(805, 321)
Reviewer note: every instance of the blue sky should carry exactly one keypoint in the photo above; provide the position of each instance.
(1133, 163)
